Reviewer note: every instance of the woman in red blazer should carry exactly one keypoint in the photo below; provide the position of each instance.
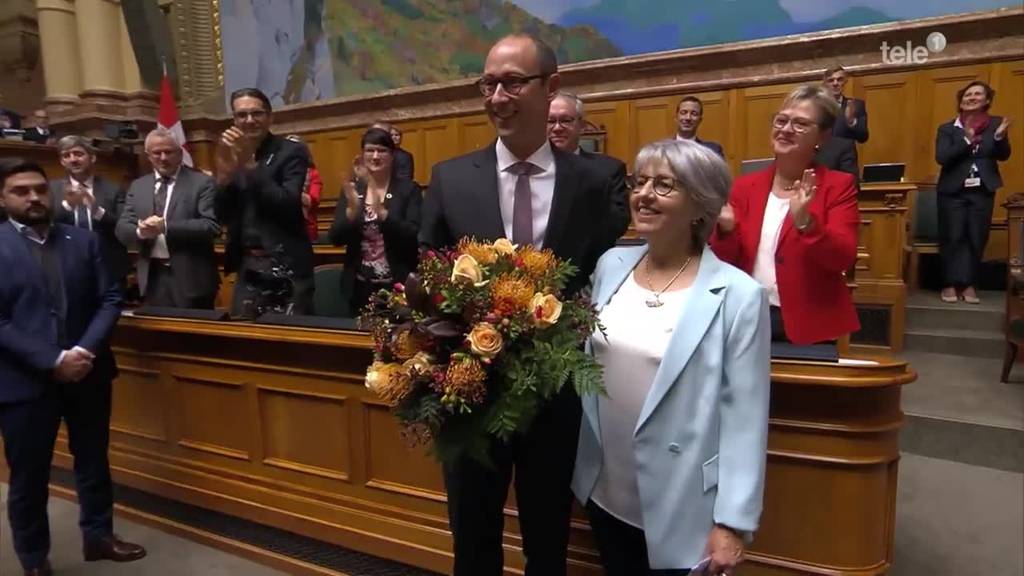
(793, 226)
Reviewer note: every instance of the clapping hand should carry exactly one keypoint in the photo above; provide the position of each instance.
(151, 227)
(234, 152)
(74, 194)
(850, 113)
(727, 219)
(725, 549)
(800, 201)
(1003, 127)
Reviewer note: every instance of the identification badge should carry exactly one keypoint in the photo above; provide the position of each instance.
(972, 182)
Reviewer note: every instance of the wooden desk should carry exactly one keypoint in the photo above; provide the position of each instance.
(881, 293)
(274, 425)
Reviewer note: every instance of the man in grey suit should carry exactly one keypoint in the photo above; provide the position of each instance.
(87, 200)
(169, 217)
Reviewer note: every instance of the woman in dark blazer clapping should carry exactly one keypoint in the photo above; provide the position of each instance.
(969, 149)
(377, 220)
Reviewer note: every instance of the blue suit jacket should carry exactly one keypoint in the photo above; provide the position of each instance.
(28, 335)
(700, 444)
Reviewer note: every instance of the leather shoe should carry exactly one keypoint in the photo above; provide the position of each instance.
(112, 548)
(44, 570)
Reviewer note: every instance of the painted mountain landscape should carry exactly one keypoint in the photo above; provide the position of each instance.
(307, 50)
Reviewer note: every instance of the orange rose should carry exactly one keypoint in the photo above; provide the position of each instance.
(485, 341)
(546, 309)
(467, 270)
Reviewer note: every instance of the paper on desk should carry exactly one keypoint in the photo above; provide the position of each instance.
(856, 362)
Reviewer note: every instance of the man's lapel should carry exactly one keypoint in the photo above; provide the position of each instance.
(144, 194)
(486, 177)
(566, 188)
(181, 188)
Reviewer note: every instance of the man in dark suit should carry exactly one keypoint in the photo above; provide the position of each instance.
(840, 151)
(520, 188)
(169, 217)
(57, 312)
(40, 132)
(402, 164)
(260, 177)
(689, 114)
(87, 200)
(566, 124)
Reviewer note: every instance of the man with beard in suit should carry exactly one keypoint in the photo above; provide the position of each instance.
(260, 178)
(520, 188)
(840, 151)
(168, 216)
(566, 124)
(87, 200)
(57, 313)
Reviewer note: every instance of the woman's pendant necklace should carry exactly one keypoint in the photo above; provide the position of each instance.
(655, 301)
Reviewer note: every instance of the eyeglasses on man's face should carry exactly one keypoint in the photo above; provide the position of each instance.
(567, 121)
(662, 185)
(510, 84)
(800, 125)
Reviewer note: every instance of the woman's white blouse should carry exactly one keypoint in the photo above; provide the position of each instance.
(638, 336)
(771, 227)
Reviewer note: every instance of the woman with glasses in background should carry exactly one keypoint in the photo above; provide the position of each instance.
(793, 226)
(377, 220)
(671, 460)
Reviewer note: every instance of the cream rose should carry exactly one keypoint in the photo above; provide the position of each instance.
(467, 270)
(504, 246)
(421, 363)
(485, 340)
(377, 374)
(546, 309)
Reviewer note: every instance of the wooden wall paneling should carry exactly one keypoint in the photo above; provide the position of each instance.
(474, 132)
(334, 159)
(652, 119)
(1007, 79)
(890, 100)
(440, 141)
(715, 124)
(214, 418)
(613, 118)
(139, 402)
(290, 418)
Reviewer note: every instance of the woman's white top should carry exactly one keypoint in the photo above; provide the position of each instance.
(775, 213)
(638, 336)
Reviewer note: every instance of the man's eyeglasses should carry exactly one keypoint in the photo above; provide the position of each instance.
(567, 121)
(800, 126)
(512, 84)
(254, 114)
(662, 185)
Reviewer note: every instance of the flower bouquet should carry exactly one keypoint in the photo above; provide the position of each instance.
(474, 342)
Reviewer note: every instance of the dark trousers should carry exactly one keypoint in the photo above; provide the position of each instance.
(247, 294)
(29, 430)
(964, 221)
(161, 289)
(623, 548)
(543, 460)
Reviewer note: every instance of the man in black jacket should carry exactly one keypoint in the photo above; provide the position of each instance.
(260, 177)
(840, 151)
(520, 188)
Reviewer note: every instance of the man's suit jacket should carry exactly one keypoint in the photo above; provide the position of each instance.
(403, 201)
(273, 189)
(956, 156)
(462, 201)
(403, 164)
(713, 146)
(859, 130)
(615, 170)
(29, 346)
(34, 135)
(815, 300)
(700, 444)
(111, 197)
(839, 152)
(191, 231)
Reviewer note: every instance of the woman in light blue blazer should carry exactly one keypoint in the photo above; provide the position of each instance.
(671, 461)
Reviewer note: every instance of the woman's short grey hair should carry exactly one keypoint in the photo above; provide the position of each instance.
(702, 174)
(828, 108)
(75, 141)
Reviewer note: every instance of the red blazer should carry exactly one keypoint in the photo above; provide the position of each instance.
(316, 186)
(816, 303)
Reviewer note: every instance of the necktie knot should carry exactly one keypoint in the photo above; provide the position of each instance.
(524, 169)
